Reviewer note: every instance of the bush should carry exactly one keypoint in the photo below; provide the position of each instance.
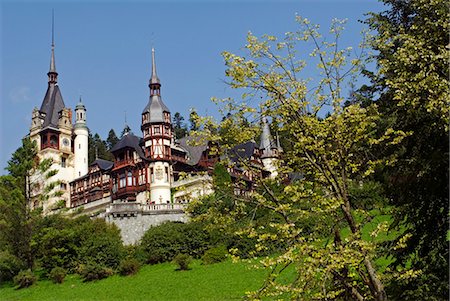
(92, 272)
(129, 266)
(10, 266)
(57, 275)
(163, 242)
(100, 243)
(25, 279)
(214, 255)
(183, 261)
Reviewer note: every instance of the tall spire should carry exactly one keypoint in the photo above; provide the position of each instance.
(52, 74)
(267, 144)
(154, 84)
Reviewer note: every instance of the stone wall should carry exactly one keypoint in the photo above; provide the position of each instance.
(133, 225)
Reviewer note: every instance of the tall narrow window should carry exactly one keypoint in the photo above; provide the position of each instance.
(167, 174)
(130, 179)
(63, 162)
(122, 181)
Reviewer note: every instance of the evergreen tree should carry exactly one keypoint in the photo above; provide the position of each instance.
(98, 149)
(125, 130)
(180, 129)
(112, 139)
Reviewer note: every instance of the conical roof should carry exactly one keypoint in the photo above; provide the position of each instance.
(155, 106)
(52, 104)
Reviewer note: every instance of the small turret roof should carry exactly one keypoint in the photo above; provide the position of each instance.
(103, 164)
(155, 106)
(131, 141)
(80, 105)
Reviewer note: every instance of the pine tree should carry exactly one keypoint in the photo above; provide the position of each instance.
(180, 129)
(112, 139)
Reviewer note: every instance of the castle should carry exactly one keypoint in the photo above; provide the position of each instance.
(144, 185)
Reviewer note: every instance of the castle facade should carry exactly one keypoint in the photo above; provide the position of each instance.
(143, 186)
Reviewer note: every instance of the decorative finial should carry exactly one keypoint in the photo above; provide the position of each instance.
(154, 79)
(52, 74)
(53, 28)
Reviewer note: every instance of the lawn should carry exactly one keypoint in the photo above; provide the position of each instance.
(222, 281)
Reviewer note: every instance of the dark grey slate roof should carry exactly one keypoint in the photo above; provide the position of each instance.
(131, 141)
(103, 164)
(52, 104)
(156, 108)
(243, 151)
(195, 151)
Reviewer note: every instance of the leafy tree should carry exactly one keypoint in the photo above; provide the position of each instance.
(111, 140)
(315, 216)
(412, 82)
(193, 120)
(180, 129)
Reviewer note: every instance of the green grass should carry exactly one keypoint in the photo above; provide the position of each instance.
(221, 281)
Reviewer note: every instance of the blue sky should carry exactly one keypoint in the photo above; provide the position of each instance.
(103, 53)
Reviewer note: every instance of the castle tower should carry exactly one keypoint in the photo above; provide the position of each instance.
(51, 129)
(270, 150)
(157, 132)
(81, 141)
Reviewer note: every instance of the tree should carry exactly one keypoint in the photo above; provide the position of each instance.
(412, 82)
(98, 149)
(22, 194)
(180, 129)
(111, 140)
(125, 130)
(193, 120)
(317, 216)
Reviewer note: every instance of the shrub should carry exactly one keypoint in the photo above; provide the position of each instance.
(163, 242)
(25, 279)
(92, 272)
(129, 266)
(183, 261)
(57, 275)
(101, 243)
(214, 255)
(10, 266)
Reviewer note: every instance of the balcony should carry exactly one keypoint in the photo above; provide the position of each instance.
(123, 163)
(131, 208)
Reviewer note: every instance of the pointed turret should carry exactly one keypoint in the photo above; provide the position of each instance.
(81, 140)
(156, 109)
(267, 144)
(269, 150)
(52, 74)
(154, 80)
(157, 131)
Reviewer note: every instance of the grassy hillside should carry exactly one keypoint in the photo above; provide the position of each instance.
(222, 281)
